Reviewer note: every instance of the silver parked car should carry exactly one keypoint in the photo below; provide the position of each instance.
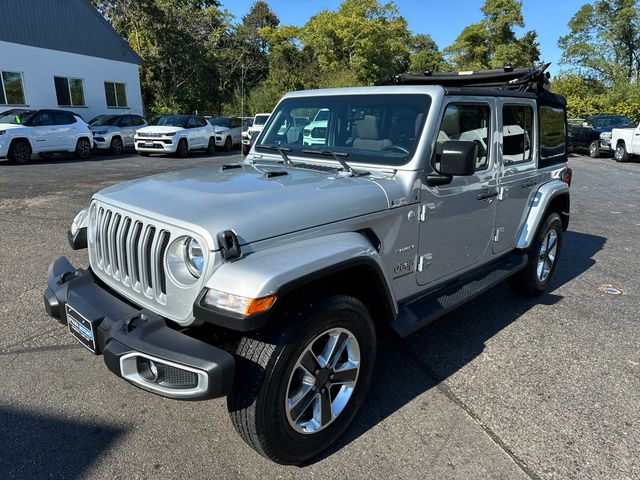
(115, 132)
(269, 281)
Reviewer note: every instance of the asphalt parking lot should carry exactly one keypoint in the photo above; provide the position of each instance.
(502, 388)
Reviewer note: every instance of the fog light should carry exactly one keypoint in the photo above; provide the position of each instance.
(148, 370)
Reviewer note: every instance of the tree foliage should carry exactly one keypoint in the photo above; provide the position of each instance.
(604, 41)
(425, 56)
(492, 42)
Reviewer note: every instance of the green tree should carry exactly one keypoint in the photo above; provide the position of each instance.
(604, 41)
(425, 56)
(363, 42)
(178, 41)
(492, 42)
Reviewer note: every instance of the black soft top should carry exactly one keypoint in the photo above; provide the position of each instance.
(502, 82)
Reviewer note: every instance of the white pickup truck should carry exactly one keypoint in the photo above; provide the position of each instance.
(626, 143)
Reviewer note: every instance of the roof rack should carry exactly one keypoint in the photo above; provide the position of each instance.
(534, 79)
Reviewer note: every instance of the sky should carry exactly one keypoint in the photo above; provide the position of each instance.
(443, 20)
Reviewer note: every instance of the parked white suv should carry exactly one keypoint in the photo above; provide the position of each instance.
(115, 132)
(316, 132)
(228, 131)
(26, 132)
(175, 134)
(248, 137)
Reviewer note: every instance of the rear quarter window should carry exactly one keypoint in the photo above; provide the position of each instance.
(552, 132)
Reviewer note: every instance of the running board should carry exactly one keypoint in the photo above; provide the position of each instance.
(420, 312)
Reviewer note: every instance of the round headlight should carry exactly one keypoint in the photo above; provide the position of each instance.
(194, 257)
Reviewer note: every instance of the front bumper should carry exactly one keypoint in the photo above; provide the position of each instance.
(130, 338)
(102, 142)
(155, 145)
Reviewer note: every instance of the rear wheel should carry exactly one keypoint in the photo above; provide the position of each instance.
(211, 147)
(183, 148)
(594, 150)
(20, 152)
(535, 278)
(83, 149)
(228, 144)
(116, 146)
(299, 387)
(621, 154)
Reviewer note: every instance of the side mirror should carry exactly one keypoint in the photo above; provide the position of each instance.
(458, 159)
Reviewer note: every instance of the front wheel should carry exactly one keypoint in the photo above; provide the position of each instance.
(116, 147)
(211, 147)
(299, 386)
(183, 148)
(621, 154)
(83, 149)
(228, 144)
(594, 150)
(535, 278)
(20, 152)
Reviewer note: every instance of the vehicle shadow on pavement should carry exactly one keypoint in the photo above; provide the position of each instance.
(406, 368)
(37, 445)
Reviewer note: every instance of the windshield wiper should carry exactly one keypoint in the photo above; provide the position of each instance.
(282, 151)
(337, 157)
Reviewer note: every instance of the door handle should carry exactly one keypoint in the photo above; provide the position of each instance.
(487, 194)
(528, 184)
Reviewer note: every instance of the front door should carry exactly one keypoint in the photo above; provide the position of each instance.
(517, 177)
(457, 219)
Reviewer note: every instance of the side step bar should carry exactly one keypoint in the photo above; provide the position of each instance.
(420, 312)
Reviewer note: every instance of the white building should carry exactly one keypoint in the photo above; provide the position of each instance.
(64, 54)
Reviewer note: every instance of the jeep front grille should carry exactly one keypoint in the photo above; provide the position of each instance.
(132, 252)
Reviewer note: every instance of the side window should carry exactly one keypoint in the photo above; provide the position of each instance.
(137, 121)
(62, 118)
(202, 122)
(517, 134)
(192, 122)
(44, 119)
(552, 131)
(236, 122)
(465, 122)
(125, 121)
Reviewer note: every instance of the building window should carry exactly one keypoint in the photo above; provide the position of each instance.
(70, 92)
(116, 94)
(11, 91)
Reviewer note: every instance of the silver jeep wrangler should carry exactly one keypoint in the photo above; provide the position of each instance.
(268, 281)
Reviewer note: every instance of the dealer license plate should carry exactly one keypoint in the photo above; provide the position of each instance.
(81, 328)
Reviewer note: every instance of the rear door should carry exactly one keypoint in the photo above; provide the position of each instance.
(236, 130)
(127, 130)
(517, 169)
(457, 219)
(195, 133)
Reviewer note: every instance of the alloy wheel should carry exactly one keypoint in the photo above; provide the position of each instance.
(547, 256)
(322, 381)
(21, 153)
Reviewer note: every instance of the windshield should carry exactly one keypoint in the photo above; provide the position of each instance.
(261, 119)
(611, 122)
(171, 121)
(16, 116)
(378, 129)
(220, 122)
(101, 120)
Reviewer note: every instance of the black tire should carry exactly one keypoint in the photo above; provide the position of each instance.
(183, 148)
(116, 147)
(528, 281)
(594, 150)
(83, 149)
(245, 150)
(228, 144)
(20, 152)
(211, 147)
(621, 154)
(266, 362)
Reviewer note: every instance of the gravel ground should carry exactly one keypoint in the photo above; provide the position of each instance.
(501, 388)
